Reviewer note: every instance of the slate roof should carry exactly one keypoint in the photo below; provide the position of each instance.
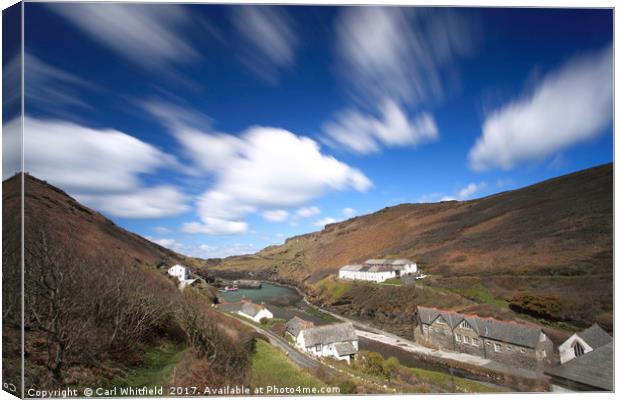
(296, 324)
(345, 349)
(251, 309)
(326, 334)
(508, 332)
(383, 261)
(353, 267)
(593, 369)
(595, 336)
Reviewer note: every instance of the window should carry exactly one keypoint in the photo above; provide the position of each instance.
(522, 351)
(466, 339)
(466, 325)
(509, 348)
(458, 337)
(578, 349)
(498, 347)
(318, 347)
(474, 341)
(440, 320)
(425, 328)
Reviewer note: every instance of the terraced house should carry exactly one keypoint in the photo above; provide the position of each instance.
(510, 343)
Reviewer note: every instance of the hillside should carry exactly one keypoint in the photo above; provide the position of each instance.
(63, 216)
(549, 240)
(97, 309)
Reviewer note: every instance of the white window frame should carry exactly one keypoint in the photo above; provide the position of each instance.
(458, 337)
(474, 342)
(497, 347)
(318, 348)
(465, 339)
(465, 325)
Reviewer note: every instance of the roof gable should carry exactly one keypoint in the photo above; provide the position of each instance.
(326, 334)
(595, 336)
(593, 369)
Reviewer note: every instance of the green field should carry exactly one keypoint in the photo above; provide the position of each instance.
(271, 367)
(155, 369)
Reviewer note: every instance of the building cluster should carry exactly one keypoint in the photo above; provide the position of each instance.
(336, 340)
(378, 270)
(586, 357)
(247, 309)
(586, 362)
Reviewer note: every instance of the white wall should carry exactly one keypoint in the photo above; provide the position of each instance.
(566, 349)
(179, 272)
(264, 313)
(326, 350)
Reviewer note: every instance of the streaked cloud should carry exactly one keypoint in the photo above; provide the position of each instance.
(269, 39)
(362, 133)
(399, 53)
(101, 167)
(570, 105)
(145, 34)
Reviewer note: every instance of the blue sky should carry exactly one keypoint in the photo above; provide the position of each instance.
(218, 130)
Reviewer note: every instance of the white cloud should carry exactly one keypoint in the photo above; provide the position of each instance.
(348, 212)
(570, 105)
(101, 167)
(275, 215)
(205, 250)
(365, 134)
(269, 34)
(145, 34)
(216, 226)
(324, 221)
(400, 52)
(469, 190)
(263, 169)
(155, 202)
(307, 212)
(465, 193)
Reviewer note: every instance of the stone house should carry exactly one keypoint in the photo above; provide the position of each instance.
(255, 312)
(337, 340)
(583, 342)
(511, 343)
(592, 371)
(296, 325)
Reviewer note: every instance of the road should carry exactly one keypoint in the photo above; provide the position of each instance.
(293, 354)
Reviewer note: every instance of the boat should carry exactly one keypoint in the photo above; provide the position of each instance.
(229, 289)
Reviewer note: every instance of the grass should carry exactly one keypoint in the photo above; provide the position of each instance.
(155, 369)
(393, 281)
(449, 383)
(271, 367)
(312, 310)
(331, 288)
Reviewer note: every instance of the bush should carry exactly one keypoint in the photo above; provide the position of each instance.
(548, 307)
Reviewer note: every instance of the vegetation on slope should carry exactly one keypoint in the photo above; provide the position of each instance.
(94, 301)
(549, 239)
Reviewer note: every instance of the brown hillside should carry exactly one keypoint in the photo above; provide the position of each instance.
(554, 238)
(64, 217)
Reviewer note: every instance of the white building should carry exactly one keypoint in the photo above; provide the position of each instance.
(378, 270)
(338, 340)
(179, 271)
(255, 312)
(583, 342)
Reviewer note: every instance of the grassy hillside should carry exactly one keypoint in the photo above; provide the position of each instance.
(546, 241)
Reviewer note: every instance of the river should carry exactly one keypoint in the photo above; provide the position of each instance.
(285, 302)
